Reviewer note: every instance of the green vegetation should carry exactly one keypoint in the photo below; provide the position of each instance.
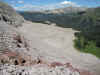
(88, 39)
(90, 47)
(87, 22)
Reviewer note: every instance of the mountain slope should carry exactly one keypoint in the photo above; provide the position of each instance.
(67, 10)
(63, 17)
(9, 15)
(54, 43)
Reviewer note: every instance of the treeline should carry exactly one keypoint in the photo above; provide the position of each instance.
(88, 39)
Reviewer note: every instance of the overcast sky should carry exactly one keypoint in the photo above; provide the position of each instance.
(50, 4)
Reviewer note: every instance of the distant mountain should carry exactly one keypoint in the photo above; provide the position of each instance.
(67, 10)
(62, 16)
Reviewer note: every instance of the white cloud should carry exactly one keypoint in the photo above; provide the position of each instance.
(27, 7)
(69, 3)
(21, 2)
(66, 2)
(45, 7)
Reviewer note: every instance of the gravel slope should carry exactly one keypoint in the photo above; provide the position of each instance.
(56, 44)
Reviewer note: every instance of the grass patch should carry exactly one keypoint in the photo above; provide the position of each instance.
(89, 47)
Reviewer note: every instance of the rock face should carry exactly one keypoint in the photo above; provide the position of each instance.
(9, 15)
(35, 70)
(12, 44)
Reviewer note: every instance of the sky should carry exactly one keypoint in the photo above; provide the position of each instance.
(24, 5)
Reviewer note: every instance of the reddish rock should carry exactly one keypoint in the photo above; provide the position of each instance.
(84, 72)
(54, 64)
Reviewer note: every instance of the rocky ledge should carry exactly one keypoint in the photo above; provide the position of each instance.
(9, 15)
(54, 68)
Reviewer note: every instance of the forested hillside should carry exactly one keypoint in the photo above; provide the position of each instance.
(89, 38)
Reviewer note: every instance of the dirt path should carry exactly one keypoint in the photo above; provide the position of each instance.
(56, 44)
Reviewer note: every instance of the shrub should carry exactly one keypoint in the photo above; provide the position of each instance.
(89, 47)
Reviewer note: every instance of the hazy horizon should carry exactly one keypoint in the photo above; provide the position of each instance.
(24, 5)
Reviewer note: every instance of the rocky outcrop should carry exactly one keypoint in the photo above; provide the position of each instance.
(14, 58)
(40, 69)
(9, 15)
(12, 44)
